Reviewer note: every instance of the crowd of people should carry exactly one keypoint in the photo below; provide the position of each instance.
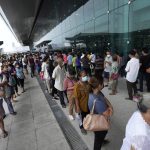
(77, 79)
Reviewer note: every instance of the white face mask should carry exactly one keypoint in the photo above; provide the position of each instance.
(85, 79)
(108, 55)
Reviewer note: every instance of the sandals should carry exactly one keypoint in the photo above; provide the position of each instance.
(4, 134)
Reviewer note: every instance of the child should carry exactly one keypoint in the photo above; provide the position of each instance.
(114, 75)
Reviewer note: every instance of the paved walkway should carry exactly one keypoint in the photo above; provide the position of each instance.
(34, 127)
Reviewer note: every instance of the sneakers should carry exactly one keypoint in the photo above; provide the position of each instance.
(71, 117)
(55, 98)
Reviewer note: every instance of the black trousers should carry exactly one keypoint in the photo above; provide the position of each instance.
(32, 67)
(61, 96)
(147, 77)
(83, 115)
(99, 137)
(21, 82)
(54, 90)
(131, 87)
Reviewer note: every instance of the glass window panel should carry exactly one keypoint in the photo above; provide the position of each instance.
(80, 29)
(72, 21)
(139, 15)
(67, 24)
(101, 24)
(100, 7)
(89, 27)
(63, 26)
(113, 4)
(79, 16)
(88, 11)
(118, 20)
(118, 29)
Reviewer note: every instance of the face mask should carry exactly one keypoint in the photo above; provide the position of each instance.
(85, 79)
(108, 55)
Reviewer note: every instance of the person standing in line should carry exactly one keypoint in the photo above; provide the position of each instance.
(107, 67)
(7, 89)
(25, 63)
(65, 60)
(74, 62)
(86, 64)
(69, 60)
(92, 59)
(99, 66)
(144, 61)
(132, 70)
(45, 72)
(137, 135)
(78, 63)
(69, 83)
(2, 127)
(20, 76)
(58, 75)
(32, 65)
(81, 94)
(114, 75)
(102, 106)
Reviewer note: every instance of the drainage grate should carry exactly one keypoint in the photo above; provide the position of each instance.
(70, 133)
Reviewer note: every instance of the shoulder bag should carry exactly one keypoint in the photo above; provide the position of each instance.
(148, 70)
(96, 122)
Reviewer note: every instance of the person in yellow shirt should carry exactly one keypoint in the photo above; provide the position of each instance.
(81, 95)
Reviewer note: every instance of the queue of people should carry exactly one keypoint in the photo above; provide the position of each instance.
(78, 79)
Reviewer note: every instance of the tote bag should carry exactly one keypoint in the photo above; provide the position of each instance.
(96, 122)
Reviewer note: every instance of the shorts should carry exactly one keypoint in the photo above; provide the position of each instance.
(106, 75)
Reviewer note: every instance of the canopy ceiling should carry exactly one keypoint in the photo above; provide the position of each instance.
(32, 19)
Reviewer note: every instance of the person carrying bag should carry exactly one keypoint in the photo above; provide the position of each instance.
(101, 110)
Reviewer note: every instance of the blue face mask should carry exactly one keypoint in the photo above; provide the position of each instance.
(85, 79)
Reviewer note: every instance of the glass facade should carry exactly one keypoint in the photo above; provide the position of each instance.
(119, 24)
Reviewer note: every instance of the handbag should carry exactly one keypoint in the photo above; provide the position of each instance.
(96, 122)
(114, 76)
(148, 70)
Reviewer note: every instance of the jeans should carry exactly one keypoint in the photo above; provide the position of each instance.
(61, 96)
(99, 137)
(10, 106)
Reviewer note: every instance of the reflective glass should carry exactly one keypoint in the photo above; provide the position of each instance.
(72, 20)
(100, 7)
(89, 27)
(139, 17)
(79, 16)
(118, 29)
(113, 4)
(101, 24)
(88, 11)
(80, 29)
(118, 20)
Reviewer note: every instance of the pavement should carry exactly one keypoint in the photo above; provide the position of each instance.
(35, 127)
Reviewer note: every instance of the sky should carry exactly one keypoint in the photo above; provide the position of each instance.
(6, 35)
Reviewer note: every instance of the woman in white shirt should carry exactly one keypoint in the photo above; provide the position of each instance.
(137, 136)
(46, 75)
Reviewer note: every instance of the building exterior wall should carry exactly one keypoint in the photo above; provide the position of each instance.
(126, 23)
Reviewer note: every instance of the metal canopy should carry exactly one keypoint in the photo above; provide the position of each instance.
(43, 43)
(32, 19)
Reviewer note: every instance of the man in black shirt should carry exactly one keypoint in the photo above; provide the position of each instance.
(144, 61)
